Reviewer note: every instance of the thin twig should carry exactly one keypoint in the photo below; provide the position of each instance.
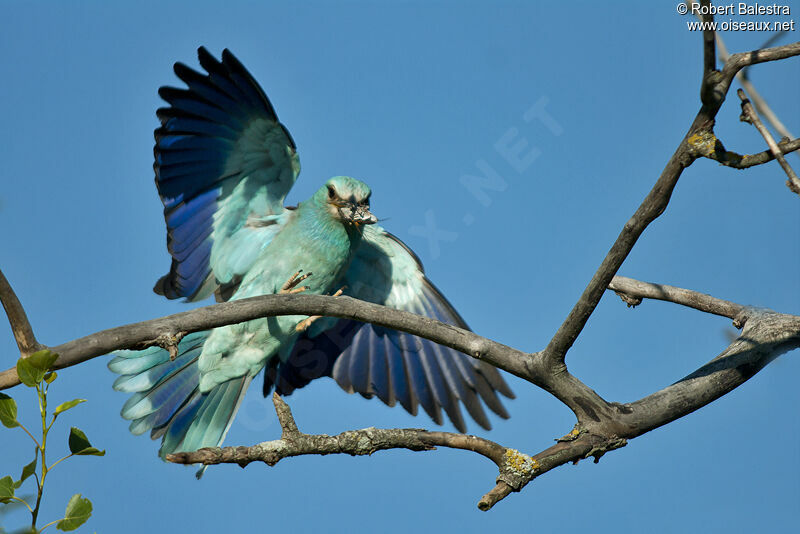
(758, 101)
(750, 115)
(712, 148)
(20, 326)
(285, 417)
(738, 61)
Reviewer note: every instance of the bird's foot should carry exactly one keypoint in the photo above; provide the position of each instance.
(303, 325)
(291, 284)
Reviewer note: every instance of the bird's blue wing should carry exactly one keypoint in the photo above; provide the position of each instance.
(223, 166)
(392, 365)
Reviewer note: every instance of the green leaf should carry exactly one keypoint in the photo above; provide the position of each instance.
(42, 360)
(27, 471)
(79, 510)
(91, 451)
(77, 440)
(32, 370)
(8, 411)
(64, 406)
(6, 488)
(79, 444)
(28, 374)
(49, 377)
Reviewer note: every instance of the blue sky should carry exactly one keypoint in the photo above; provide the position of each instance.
(410, 98)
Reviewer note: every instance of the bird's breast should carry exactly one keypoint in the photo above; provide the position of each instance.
(323, 249)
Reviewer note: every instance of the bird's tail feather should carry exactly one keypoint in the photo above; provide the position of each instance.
(166, 399)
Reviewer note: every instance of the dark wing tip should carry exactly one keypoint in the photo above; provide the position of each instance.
(236, 67)
(208, 61)
(161, 286)
(231, 61)
(203, 54)
(165, 286)
(184, 71)
(496, 380)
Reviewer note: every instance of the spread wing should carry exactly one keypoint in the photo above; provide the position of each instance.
(392, 365)
(223, 165)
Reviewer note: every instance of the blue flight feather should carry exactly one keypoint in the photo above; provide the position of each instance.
(223, 167)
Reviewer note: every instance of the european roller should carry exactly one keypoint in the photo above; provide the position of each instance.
(223, 166)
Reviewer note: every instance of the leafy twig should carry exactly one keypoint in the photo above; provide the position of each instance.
(35, 371)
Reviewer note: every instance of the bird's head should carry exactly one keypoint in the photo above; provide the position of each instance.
(347, 200)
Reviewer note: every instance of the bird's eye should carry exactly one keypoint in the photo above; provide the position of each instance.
(331, 192)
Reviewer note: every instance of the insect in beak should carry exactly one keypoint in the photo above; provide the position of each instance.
(356, 214)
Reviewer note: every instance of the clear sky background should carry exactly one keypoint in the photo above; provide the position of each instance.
(410, 98)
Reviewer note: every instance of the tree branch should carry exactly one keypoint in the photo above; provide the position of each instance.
(738, 61)
(20, 326)
(653, 205)
(715, 88)
(741, 60)
(511, 463)
(758, 101)
(602, 426)
(750, 115)
(709, 50)
(714, 149)
(153, 332)
(633, 291)
(766, 336)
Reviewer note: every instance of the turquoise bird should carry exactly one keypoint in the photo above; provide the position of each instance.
(223, 166)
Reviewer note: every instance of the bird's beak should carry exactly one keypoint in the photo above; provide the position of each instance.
(360, 215)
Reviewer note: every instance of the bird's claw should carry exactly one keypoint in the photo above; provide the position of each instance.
(290, 287)
(304, 325)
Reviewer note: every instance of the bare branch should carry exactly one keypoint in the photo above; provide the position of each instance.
(20, 326)
(511, 463)
(766, 336)
(653, 205)
(715, 88)
(147, 333)
(495, 495)
(750, 115)
(285, 417)
(633, 291)
(758, 101)
(737, 62)
(601, 427)
(709, 51)
(588, 406)
(712, 148)
(715, 149)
